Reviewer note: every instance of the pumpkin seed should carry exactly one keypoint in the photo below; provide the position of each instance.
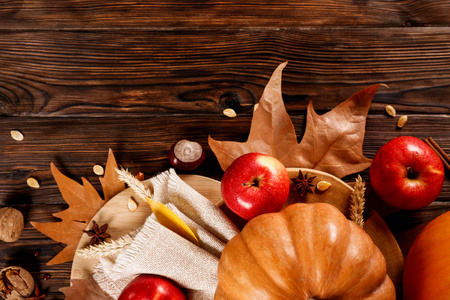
(132, 205)
(17, 135)
(32, 182)
(390, 110)
(402, 121)
(98, 170)
(323, 185)
(229, 112)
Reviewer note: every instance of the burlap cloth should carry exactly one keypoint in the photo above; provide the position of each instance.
(157, 250)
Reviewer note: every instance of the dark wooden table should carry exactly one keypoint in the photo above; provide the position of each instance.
(78, 77)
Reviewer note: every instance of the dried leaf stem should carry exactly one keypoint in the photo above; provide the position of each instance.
(357, 202)
(105, 248)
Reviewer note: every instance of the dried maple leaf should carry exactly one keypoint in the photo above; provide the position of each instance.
(111, 183)
(84, 202)
(86, 289)
(332, 142)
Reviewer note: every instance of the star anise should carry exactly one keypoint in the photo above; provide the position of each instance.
(37, 294)
(303, 183)
(98, 233)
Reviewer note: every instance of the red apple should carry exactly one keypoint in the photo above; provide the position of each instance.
(255, 184)
(152, 287)
(406, 173)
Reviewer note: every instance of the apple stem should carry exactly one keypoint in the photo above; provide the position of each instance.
(254, 182)
(410, 172)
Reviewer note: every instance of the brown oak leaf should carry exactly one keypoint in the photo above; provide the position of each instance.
(84, 202)
(332, 142)
(86, 289)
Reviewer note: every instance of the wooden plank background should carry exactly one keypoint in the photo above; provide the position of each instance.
(81, 77)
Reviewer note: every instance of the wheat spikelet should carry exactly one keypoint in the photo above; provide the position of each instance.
(105, 248)
(138, 187)
(357, 202)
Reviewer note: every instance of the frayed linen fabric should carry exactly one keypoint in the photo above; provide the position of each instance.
(157, 250)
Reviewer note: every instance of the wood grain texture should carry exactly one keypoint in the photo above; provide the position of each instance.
(142, 144)
(76, 144)
(100, 73)
(79, 77)
(47, 14)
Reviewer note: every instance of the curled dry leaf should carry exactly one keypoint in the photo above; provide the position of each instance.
(332, 142)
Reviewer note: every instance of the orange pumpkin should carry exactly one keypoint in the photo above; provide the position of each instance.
(427, 266)
(306, 251)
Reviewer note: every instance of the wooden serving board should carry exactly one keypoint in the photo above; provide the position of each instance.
(122, 221)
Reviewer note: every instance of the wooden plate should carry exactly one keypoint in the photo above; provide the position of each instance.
(122, 221)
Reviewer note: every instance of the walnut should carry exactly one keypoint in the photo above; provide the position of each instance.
(16, 283)
(11, 224)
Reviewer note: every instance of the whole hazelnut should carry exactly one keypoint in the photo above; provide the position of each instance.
(11, 224)
(16, 283)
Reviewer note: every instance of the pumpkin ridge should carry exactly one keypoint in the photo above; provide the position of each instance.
(371, 262)
(222, 292)
(261, 264)
(343, 240)
(298, 256)
(307, 254)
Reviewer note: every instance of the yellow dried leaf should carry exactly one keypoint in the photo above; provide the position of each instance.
(170, 220)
